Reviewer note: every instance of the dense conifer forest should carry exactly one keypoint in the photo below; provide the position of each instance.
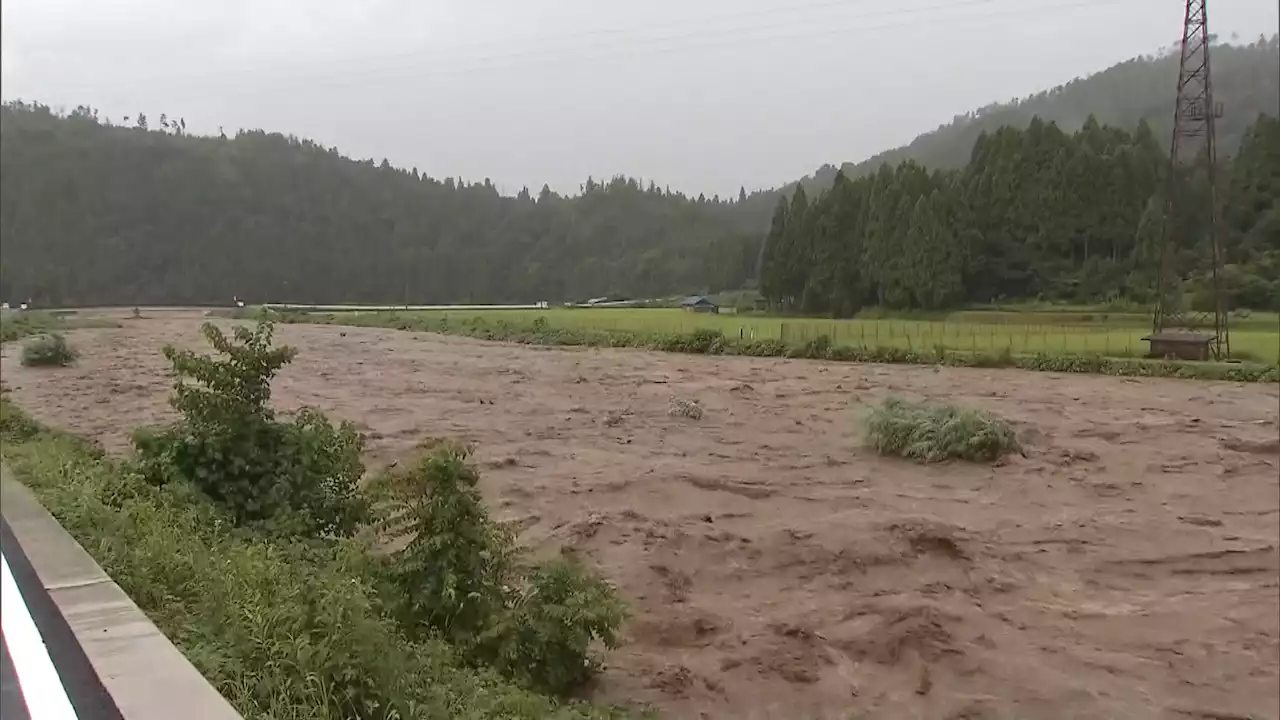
(1036, 213)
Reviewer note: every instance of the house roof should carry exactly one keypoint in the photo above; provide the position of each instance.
(697, 300)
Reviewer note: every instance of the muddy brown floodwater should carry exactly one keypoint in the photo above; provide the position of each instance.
(1125, 567)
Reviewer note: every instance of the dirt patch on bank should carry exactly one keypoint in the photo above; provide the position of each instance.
(1126, 566)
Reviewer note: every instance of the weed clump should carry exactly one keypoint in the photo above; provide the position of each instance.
(929, 432)
(683, 407)
(293, 478)
(48, 350)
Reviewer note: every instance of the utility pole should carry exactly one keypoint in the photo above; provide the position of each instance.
(1193, 157)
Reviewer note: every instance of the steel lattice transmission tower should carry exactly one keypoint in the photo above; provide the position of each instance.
(1193, 159)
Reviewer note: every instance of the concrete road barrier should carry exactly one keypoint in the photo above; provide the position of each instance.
(75, 645)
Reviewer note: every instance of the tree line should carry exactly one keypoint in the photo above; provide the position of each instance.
(1035, 213)
(140, 212)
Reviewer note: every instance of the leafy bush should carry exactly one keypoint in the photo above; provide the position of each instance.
(767, 347)
(461, 576)
(47, 350)
(704, 341)
(294, 478)
(542, 639)
(932, 433)
(452, 569)
(818, 348)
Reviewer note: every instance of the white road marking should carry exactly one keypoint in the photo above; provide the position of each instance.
(42, 688)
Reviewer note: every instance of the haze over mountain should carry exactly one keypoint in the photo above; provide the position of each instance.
(1246, 81)
(703, 96)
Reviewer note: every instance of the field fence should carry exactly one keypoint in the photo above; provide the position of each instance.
(1093, 335)
(1112, 340)
(989, 338)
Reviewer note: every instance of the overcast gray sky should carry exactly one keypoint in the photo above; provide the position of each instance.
(701, 95)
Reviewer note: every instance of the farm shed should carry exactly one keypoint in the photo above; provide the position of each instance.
(699, 304)
(1179, 345)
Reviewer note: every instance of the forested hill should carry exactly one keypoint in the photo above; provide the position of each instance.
(1245, 81)
(1037, 212)
(92, 213)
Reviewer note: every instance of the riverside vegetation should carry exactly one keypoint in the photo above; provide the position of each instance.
(251, 543)
(773, 590)
(1255, 336)
(705, 341)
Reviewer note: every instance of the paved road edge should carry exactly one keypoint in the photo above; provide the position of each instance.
(145, 675)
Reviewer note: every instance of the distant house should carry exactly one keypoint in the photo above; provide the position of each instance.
(699, 304)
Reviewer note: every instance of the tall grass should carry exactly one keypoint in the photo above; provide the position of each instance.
(47, 350)
(929, 432)
(17, 324)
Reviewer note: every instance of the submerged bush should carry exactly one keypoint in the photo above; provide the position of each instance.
(684, 407)
(451, 571)
(552, 615)
(934, 432)
(47, 350)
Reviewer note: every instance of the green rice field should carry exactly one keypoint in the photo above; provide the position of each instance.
(1255, 338)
